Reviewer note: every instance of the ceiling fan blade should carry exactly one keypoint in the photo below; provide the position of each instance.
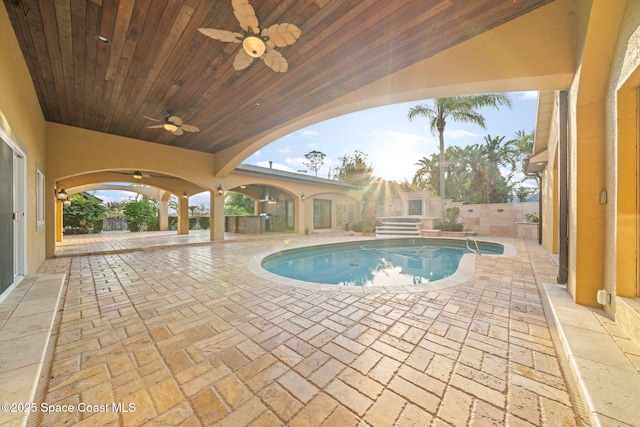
(245, 15)
(155, 127)
(178, 131)
(274, 60)
(151, 118)
(175, 120)
(222, 35)
(281, 35)
(189, 128)
(242, 60)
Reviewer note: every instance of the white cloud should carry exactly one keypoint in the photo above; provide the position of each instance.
(296, 162)
(283, 150)
(308, 133)
(527, 95)
(459, 133)
(256, 154)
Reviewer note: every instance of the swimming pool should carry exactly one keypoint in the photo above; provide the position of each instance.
(392, 262)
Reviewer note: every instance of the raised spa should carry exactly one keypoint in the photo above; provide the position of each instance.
(393, 262)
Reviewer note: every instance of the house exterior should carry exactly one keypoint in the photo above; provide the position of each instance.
(586, 151)
(582, 55)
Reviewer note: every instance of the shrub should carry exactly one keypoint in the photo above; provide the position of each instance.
(192, 223)
(205, 222)
(97, 225)
(451, 219)
(153, 225)
(133, 226)
(531, 217)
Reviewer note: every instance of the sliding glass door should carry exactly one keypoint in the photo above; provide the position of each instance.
(7, 226)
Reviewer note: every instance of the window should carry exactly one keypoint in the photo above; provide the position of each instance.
(40, 206)
(415, 207)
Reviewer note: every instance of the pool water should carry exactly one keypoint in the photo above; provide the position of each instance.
(376, 263)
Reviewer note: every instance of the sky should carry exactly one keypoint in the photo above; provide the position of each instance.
(393, 144)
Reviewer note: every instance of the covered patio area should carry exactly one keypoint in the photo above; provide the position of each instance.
(184, 333)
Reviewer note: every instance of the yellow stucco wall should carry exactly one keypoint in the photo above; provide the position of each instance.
(22, 120)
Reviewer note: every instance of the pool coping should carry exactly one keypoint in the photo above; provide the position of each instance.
(466, 270)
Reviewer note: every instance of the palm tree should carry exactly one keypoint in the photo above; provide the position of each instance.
(459, 108)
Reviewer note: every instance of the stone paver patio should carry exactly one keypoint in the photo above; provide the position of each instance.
(187, 335)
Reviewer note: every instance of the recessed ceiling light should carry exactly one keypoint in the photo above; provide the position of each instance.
(102, 39)
(258, 104)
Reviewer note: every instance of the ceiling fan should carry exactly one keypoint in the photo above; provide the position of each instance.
(256, 43)
(173, 124)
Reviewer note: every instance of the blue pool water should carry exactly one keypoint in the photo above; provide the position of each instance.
(374, 263)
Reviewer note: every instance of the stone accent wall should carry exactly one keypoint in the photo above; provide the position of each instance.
(497, 219)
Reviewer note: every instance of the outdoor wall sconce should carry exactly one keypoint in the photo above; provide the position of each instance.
(184, 195)
(67, 203)
(61, 194)
(302, 196)
(137, 175)
(220, 190)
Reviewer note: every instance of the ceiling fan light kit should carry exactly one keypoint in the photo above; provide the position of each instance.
(170, 127)
(256, 43)
(173, 124)
(254, 46)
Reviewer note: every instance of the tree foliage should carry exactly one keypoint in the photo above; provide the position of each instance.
(141, 213)
(83, 213)
(460, 109)
(479, 173)
(354, 169)
(238, 204)
(315, 160)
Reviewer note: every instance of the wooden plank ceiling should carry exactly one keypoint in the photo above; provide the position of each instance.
(159, 61)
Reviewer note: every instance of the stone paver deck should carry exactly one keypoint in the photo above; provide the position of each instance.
(187, 335)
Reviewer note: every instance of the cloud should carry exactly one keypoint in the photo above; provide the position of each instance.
(308, 133)
(527, 95)
(459, 133)
(256, 154)
(296, 162)
(284, 150)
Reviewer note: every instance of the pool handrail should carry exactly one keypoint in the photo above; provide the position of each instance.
(477, 251)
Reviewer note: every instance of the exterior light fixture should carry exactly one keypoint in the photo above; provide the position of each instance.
(184, 195)
(253, 45)
(67, 203)
(137, 175)
(62, 195)
(243, 186)
(302, 196)
(220, 190)
(170, 127)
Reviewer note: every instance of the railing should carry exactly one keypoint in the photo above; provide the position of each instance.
(477, 251)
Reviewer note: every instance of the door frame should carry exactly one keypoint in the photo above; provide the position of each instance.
(20, 208)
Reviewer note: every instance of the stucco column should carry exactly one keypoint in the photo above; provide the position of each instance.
(299, 216)
(59, 222)
(183, 215)
(216, 232)
(164, 215)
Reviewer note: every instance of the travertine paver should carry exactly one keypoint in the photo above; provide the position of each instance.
(187, 335)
